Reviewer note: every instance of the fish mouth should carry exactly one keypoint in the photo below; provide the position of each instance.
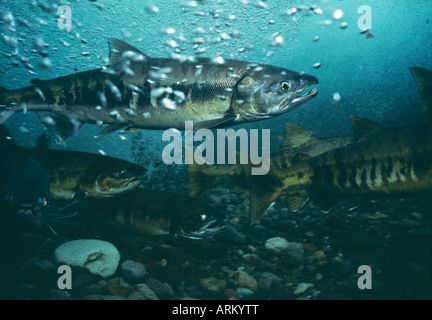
(134, 182)
(296, 102)
(289, 105)
(121, 187)
(205, 232)
(139, 178)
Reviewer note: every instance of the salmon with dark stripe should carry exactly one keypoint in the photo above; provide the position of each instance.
(387, 161)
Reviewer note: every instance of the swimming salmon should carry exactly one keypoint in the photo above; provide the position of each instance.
(158, 213)
(137, 91)
(297, 139)
(73, 174)
(382, 161)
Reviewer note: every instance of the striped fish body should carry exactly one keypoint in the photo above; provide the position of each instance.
(137, 91)
(382, 161)
(394, 161)
(296, 140)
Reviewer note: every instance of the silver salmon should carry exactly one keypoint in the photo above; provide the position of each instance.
(137, 91)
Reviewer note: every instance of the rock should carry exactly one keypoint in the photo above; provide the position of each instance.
(267, 278)
(142, 291)
(231, 235)
(295, 251)
(213, 284)
(99, 257)
(133, 270)
(302, 287)
(231, 294)
(56, 294)
(103, 297)
(118, 287)
(162, 289)
(276, 245)
(243, 279)
(243, 292)
(318, 255)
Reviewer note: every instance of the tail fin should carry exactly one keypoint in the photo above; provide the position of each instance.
(5, 110)
(199, 181)
(423, 78)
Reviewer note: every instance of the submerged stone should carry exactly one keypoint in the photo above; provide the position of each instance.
(99, 257)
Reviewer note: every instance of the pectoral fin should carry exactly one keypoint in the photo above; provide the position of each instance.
(297, 200)
(209, 124)
(62, 127)
(112, 128)
(260, 200)
(199, 181)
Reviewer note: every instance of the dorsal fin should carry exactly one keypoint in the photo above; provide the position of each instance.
(423, 78)
(116, 49)
(363, 127)
(295, 135)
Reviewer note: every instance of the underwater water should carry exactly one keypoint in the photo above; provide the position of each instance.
(360, 53)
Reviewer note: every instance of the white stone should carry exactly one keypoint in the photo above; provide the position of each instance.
(276, 245)
(302, 287)
(100, 257)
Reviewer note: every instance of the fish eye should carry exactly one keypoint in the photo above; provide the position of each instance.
(120, 174)
(284, 86)
(196, 218)
(11, 198)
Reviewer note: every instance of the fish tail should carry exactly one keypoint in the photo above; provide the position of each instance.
(5, 110)
(423, 78)
(199, 181)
